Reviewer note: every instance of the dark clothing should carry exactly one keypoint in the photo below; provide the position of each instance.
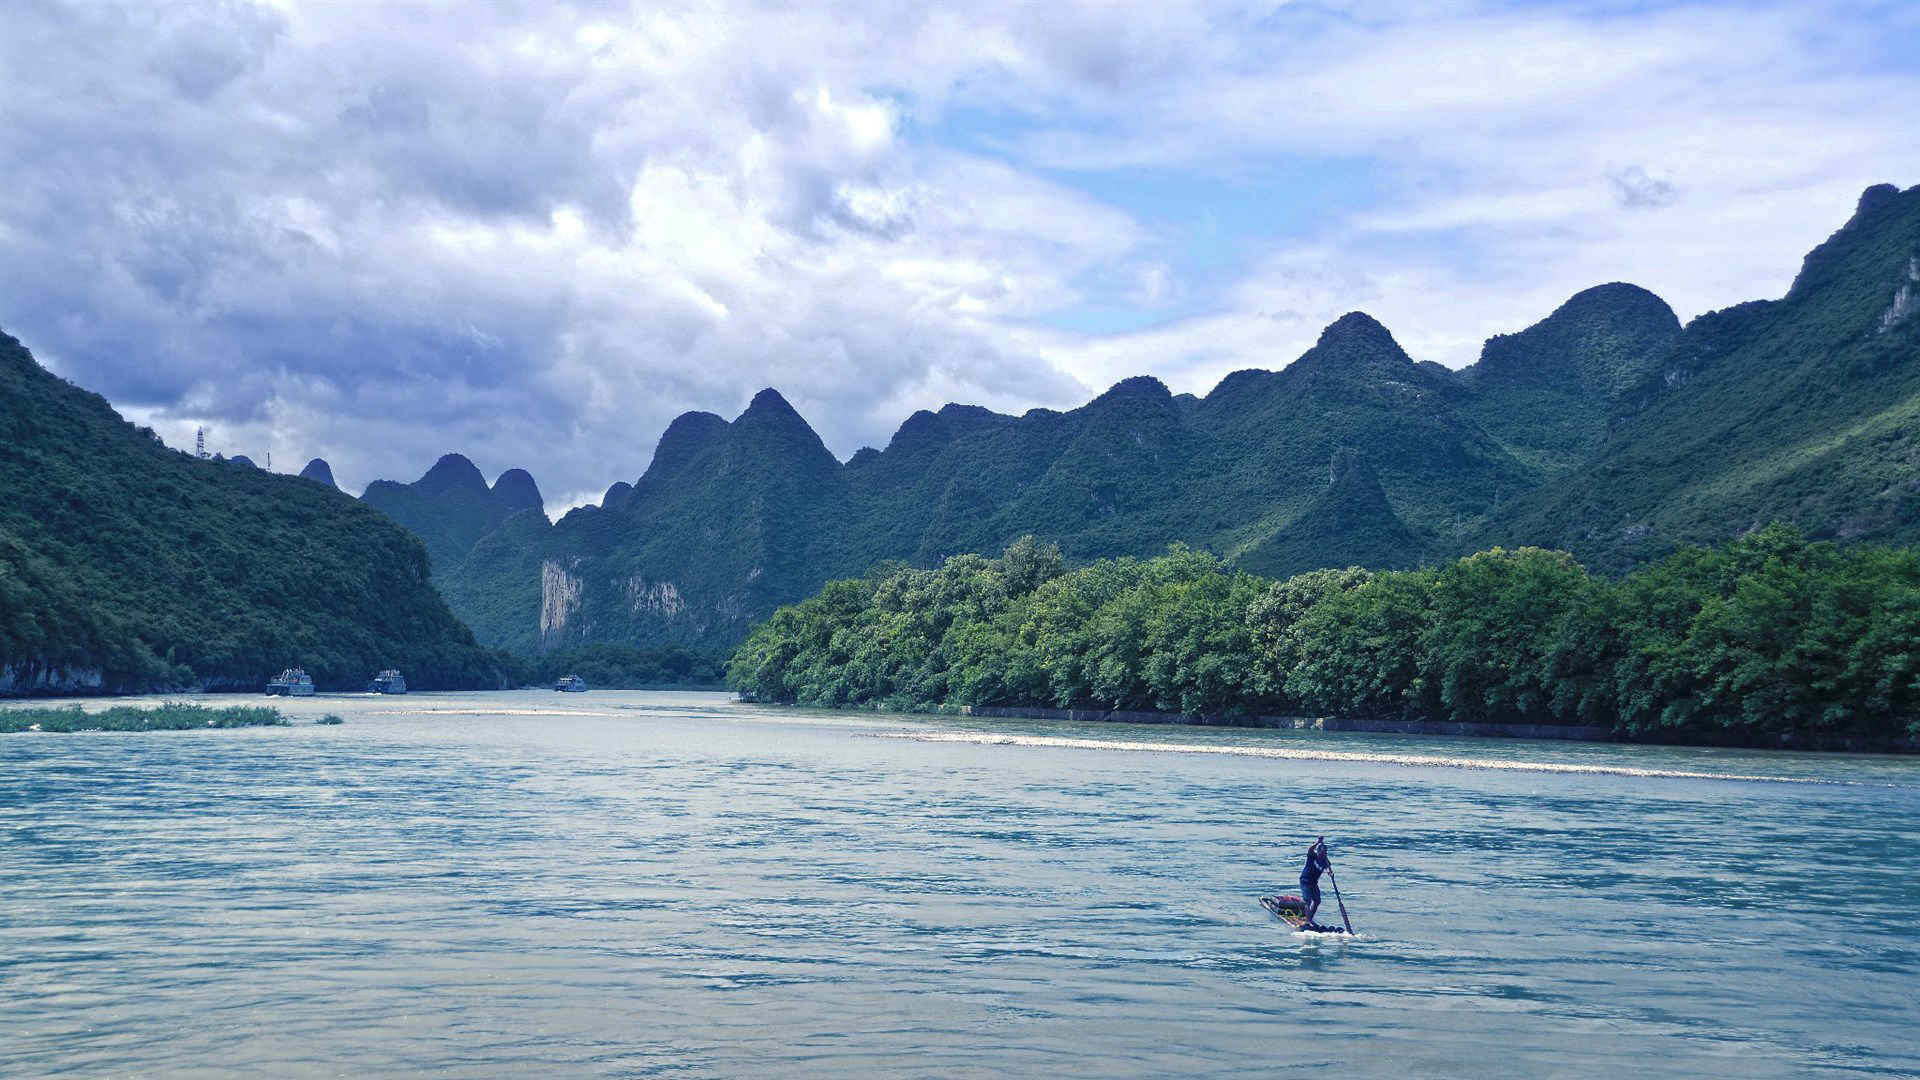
(1310, 878)
(1310, 874)
(1317, 864)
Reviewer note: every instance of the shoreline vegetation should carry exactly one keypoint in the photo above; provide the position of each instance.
(1767, 640)
(610, 666)
(172, 716)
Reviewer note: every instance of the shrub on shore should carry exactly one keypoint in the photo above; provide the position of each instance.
(173, 716)
(624, 667)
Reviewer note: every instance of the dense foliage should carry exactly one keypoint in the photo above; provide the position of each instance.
(125, 565)
(623, 667)
(1768, 633)
(173, 716)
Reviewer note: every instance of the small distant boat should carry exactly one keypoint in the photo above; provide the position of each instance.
(388, 682)
(571, 684)
(292, 682)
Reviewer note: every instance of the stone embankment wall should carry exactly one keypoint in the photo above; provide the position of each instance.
(1810, 741)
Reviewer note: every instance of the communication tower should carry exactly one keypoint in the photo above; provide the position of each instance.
(200, 443)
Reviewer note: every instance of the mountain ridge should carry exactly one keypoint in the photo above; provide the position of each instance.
(1354, 450)
(733, 517)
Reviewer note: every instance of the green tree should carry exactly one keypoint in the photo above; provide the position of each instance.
(1273, 616)
(1488, 649)
(1359, 649)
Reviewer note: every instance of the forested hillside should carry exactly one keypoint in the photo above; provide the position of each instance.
(125, 565)
(1804, 409)
(1550, 393)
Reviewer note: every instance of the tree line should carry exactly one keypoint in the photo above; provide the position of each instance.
(625, 667)
(1766, 633)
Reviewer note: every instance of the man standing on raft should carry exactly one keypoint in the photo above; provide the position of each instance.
(1317, 864)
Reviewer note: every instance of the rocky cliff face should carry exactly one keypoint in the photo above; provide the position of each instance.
(30, 679)
(1906, 299)
(560, 594)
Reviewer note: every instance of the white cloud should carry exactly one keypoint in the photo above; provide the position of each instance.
(533, 233)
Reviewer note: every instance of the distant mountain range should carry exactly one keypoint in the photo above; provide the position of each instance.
(1606, 429)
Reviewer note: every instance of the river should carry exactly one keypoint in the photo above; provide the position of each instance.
(654, 884)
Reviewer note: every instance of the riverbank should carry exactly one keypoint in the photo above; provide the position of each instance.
(1561, 732)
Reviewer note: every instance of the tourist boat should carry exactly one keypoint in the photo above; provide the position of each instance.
(388, 682)
(572, 684)
(292, 682)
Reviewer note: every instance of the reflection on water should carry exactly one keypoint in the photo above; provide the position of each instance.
(642, 884)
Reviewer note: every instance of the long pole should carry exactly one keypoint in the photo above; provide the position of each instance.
(1336, 899)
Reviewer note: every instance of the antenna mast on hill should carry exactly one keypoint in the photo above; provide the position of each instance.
(200, 443)
(269, 461)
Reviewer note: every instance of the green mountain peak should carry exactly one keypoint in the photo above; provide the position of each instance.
(1550, 392)
(515, 491)
(452, 473)
(451, 507)
(771, 426)
(1354, 345)
(1138, 388)
(769, 407)
(690, 434)
(319, 472)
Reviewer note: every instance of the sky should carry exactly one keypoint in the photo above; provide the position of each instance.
(534, 232)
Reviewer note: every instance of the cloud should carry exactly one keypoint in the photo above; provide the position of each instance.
(535, 232)
(1635, 190)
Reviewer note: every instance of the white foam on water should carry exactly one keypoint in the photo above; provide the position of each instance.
(1367, 757)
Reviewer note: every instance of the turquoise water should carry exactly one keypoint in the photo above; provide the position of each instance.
(671, 884)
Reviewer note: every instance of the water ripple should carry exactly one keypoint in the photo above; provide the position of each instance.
(672, 885)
